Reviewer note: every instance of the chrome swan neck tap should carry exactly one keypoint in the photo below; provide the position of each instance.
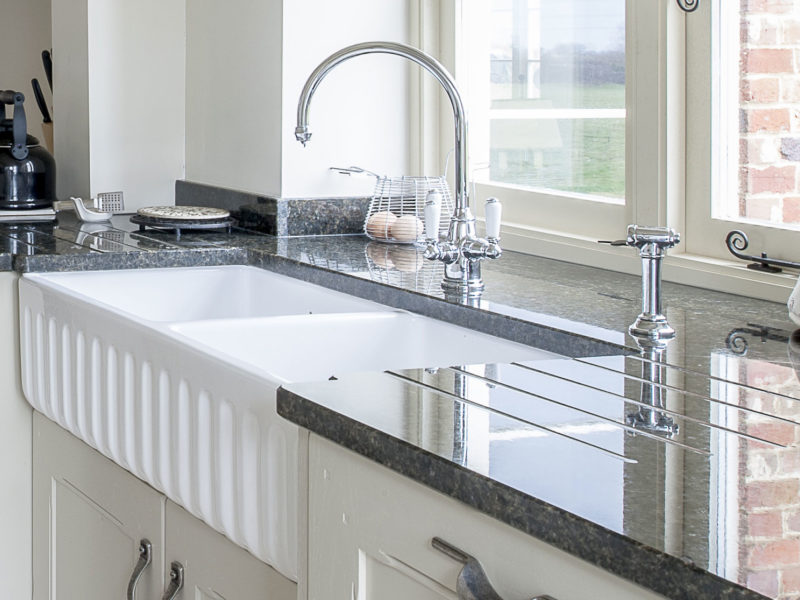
(462, 251)
(415, 55)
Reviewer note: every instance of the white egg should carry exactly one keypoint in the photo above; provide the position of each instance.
(379, 225)
(379, 255)
(407, 228)
(406, 258)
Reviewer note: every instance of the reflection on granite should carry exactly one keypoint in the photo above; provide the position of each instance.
(715, 505)
(548, 447)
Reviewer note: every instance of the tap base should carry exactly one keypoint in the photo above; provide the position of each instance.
(652, 328)
(653, 421)
(463, 278)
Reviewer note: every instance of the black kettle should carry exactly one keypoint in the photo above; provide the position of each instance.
(28, 170)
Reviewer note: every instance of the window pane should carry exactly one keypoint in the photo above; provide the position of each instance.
(760, 69)
(556, 95)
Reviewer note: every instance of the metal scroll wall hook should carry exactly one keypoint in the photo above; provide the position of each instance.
(472, 582)
(688, 5)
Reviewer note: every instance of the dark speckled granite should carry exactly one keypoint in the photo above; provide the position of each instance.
(345, 411)
(572, 310)
(279, 216)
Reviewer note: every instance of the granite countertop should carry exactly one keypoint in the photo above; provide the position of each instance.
(555, 448)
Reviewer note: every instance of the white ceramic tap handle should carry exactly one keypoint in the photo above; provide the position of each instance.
(494, 212)
(433, 210)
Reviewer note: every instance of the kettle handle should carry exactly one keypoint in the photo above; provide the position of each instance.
(20, 124)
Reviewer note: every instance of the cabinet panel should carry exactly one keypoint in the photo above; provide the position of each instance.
(15, 451)
(217, 569)
(89, 516)
(370, 533)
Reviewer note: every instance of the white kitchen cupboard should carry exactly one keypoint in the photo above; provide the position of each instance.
(90, 515)
(15, 453)
(215, 568)
(370, 532)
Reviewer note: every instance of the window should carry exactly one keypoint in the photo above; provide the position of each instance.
(556, 95)
(588, 115)
(746, 86)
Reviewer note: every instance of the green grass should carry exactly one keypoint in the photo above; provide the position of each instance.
(589, 154)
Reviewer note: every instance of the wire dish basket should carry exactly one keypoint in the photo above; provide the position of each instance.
(397, 210)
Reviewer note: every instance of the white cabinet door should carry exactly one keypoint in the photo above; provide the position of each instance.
(217, 569)
(370, 531)
(89, 517)
(15, 453)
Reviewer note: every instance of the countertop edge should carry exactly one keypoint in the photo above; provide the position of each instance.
(614, 552)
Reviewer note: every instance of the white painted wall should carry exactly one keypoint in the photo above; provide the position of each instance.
(24, 33)
(137, 98)
(119, 86)
(359, 114)
(246, 64)
(233, 91)
(71, 87)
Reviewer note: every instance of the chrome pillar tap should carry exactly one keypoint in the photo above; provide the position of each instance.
(652, 243)
(651, 415)
(463, 249)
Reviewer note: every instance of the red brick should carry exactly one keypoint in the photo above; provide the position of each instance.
(762, 90)
(768, 6)
(793, 521)
(791, 210)
(778, 432)
(764, 582)
(768, 60)
(765, 525)
(790, 31)
(771, 494)
(771, 179)
(760, 151)
(761, 31)
(790, 89)
(760, 208)
(767, 119)
(762, 461)
(775, 554)
(790, 578)
(790, 462)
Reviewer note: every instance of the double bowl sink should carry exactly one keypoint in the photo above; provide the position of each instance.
(173, 373)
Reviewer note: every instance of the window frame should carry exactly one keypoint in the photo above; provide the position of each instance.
(666, 97)
(706, 165)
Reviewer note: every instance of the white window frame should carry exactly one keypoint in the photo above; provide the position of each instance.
(665, 99)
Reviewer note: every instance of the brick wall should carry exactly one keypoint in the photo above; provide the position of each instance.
(769, 148)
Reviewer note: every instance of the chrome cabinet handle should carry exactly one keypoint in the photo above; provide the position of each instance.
(145, 556)
(175, 581)
(472, 582)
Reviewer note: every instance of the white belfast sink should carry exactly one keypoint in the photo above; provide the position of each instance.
(172, 374)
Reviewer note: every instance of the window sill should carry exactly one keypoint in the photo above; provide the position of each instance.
(688, 269)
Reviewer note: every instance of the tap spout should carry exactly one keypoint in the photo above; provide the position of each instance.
(428, 63)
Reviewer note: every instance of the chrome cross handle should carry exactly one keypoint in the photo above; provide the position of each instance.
(652, 243)
(462, 250)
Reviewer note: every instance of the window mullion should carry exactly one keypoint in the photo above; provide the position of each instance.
(655, 104)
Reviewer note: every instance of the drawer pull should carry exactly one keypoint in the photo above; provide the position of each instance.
(145, 556)
(472, 582)
(175, 581)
